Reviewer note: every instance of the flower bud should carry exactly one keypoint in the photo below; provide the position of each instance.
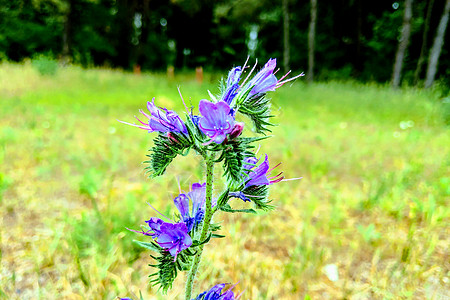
(172, 138)
(237, 130)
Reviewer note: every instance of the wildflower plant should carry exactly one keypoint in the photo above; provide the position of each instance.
(214, 134)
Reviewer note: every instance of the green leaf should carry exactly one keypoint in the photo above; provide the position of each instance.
(223, 198)
(258, 109)
(164, 151)
(227, 208)
(258, 195)
(151, 246)
(217, 236)
(168, 268)
(235, 153)
(196, 243)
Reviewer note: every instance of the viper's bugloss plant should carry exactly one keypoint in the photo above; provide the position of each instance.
(215, 135)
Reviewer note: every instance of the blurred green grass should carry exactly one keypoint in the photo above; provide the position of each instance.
(373, 201)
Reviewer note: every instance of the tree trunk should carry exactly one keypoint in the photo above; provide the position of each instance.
(286, 52)
(359, 21)
(66, 38)
(426, 29)
(437, 46)
(311, 40)
(403, 44)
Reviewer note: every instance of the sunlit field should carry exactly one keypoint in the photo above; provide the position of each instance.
(369, 219)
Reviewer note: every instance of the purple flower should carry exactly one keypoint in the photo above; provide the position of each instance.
(215, 293)
(161, 121)
(198, 197)
(216, 121)
(182, 204)
(265, 80)
(155, 226)
(249, 163)
(258, 175)
(232, 85)
(174, 238)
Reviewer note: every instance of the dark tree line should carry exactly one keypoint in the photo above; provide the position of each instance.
(368, 40)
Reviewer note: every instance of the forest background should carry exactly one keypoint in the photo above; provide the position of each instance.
(346, 38)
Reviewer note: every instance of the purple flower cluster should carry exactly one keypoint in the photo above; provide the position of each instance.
(217, 120)
(215, 293)
(174, 237)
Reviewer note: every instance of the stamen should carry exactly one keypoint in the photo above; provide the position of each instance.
(212, 138)
(275, 176)
(290, 179)
(144, 113)
(182, 99)
(138, 126)
(250, 73)
(273, 168)
(245, 64)
(141, 121)
(159, 212)
(290, 79)
(284, 76)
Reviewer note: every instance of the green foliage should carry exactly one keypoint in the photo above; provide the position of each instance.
(90, 183)
(45, 65)
(5, 182)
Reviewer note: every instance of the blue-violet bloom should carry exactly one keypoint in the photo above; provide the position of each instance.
(258, 175)
(215, 293)
(174, 238)
(265, 79)
(232, 85)
(198, 197)
(160, 119)
(216, 121)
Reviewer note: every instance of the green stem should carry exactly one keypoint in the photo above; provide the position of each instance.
(205, 228)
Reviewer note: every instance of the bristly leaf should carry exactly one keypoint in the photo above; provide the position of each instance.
(151, 246)
(223, 198)
(168, 268)
(164, 151)
(257, 108)
(233, 155)
(258, 195)
(167, 271)
(227, 208)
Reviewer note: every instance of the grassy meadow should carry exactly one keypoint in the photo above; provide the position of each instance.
(372, 207)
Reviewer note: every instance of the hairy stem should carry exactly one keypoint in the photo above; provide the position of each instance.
(205, 228)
